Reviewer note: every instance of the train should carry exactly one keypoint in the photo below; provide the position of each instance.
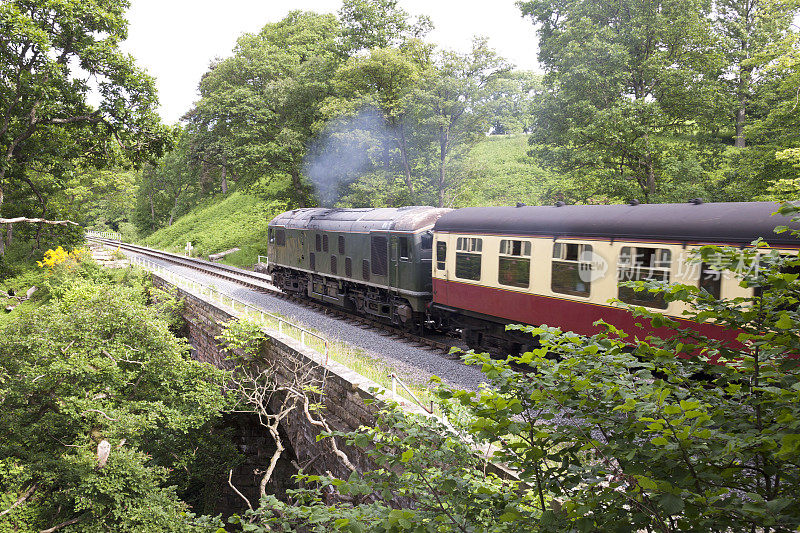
(475, 270)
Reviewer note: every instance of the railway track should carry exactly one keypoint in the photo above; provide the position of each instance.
(263, 283)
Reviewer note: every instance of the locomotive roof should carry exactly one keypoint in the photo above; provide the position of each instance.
(737, 223)
(411, 218)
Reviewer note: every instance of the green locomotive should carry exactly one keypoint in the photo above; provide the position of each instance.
(375, 262)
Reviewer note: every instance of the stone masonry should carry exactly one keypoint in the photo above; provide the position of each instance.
(344, 398)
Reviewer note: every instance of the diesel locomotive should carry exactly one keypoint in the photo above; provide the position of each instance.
(475, 270)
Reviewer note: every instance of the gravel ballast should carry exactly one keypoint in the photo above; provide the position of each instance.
(412, 364)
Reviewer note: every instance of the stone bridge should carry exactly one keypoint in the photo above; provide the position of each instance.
(344, 396)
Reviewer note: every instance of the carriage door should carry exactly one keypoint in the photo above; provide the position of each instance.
(439, 270)
(394, 263)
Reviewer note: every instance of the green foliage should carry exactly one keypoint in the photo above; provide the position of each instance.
(94, 363)
(51, 57)
(438, 486)
(257, 108)
(604, 433)
(238, 220)
(642, 99)
(501, 172)
(369, 24)
(242, 338)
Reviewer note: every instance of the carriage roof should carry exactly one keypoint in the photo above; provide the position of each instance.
(734, 223)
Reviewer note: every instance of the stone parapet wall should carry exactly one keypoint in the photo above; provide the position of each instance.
(345, 391)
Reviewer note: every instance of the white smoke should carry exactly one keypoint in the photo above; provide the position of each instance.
(343, 152)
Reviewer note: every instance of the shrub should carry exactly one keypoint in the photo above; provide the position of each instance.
(606, 433)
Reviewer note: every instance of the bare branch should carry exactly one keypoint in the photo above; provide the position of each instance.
(20, 500)
(37, 220)
(230, 475)
(101, 412)
(59, 526)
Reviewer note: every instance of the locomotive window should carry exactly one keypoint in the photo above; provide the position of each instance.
(271, 236)
(426, 241)
(280, 237)
(514, 268)
(348, 267)
(341, 244)
(571, 269)
(468, 258)
(365, 270)
(318, 242)
(379, 256)
(441, 254)
(325, 243)
(333, 264)
(313, 261)
(404, 253)
(642, 264)
(711, 280)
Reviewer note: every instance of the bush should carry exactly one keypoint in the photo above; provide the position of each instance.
(606, 433)
(92, 368)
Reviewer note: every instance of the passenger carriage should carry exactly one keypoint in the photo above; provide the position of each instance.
(560, 265)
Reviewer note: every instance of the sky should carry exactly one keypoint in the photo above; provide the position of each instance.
(175, 40)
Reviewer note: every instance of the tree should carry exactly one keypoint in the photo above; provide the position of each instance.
(750, 31)
(369, 24)
(257, 108)
(511, 101)
(775, 129)
(620, 78)
(51, 56)
(93, 370)
(168, 189)
(383, 80)
(452, 100)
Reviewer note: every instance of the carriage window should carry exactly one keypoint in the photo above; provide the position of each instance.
(641, 264)
(341, 244)
(514, 263)
(441, 254)
(325, 243)
(571, 269)
(468, 258)
(379, 256)
(404, 254)
(318, 242)
(711, 280)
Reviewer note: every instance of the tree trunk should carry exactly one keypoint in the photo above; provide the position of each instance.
(298, 187)
(152, 208)
(741, 113)
(224, 180)
(404, 156)
(443, 141)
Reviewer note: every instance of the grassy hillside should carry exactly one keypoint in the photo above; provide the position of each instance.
(238, 220)
(500, 172)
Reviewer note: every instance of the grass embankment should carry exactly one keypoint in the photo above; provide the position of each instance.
(500, 172)
(237, 221)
